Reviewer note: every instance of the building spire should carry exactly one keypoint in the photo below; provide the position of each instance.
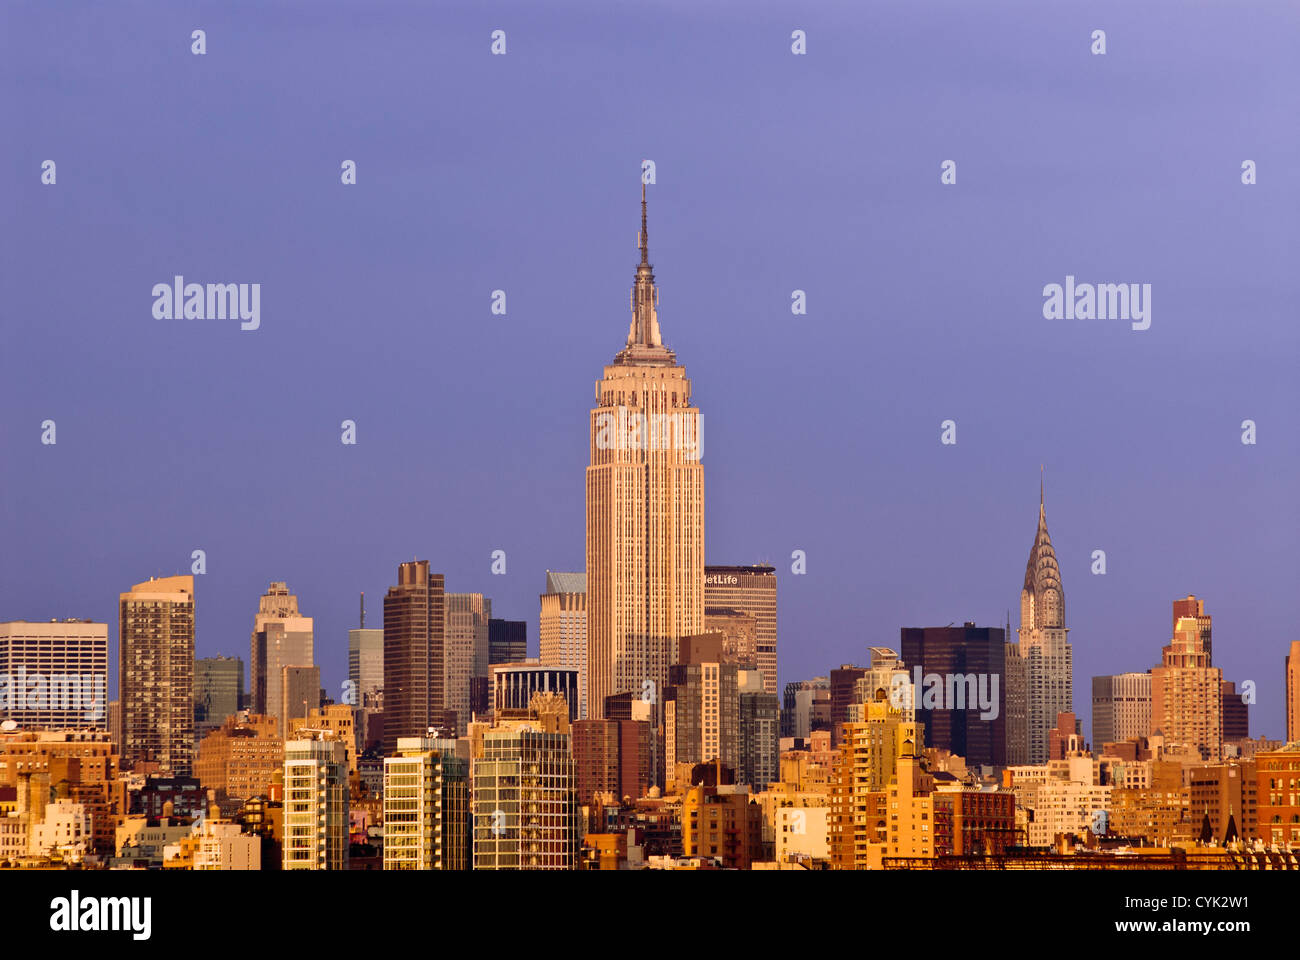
(643, 239)
(644, 330)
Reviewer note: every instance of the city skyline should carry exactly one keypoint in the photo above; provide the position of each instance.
(645, 354)
(932, 297)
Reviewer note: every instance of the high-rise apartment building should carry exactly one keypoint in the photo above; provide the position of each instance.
(1044, 644)
(1121, 708)
(750, 590)
(465, 650)
(525, 803)
(886, 679)
(759, 730)
(562, 631)
(868, 751)
(315, 805)
(701, 709)
(426, 806)
(645, 509)
(218, 692)
(1186, 689)
(613, 757)
(54, 675)
(282, 637)
(414, 699)
(156, 674)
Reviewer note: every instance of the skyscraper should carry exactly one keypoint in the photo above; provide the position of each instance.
(413, 656)
(218, 690)
(1044, 643)
(54, 675)
(967, 714)
(281, 638)
(751, 590)
(1186, 689)
(315, 804)
(645, 509)
(426, 806)
(1121, 708)
(562, 629)
(507, 641)
(524, 797)
(465, 650)
(156, 674)
(366, 662)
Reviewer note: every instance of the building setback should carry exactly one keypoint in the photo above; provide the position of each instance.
(645, 510)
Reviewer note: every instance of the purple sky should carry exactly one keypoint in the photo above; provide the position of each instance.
(774, 172)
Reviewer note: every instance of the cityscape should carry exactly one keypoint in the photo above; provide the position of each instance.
(351, 529)
(649, 732)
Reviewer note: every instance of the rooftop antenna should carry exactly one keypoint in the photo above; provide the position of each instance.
(363, 609)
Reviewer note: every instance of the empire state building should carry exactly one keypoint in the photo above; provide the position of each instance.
(645, 510)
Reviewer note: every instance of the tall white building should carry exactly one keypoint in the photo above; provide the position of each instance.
(315, 805)
(54, 676)
(1044, 644)
(563, 628)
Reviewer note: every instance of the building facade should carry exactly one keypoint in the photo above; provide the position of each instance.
(426, 806)
(414, 697)
(750, 590)
(1121, 708)
(156, 674)
(1186, 689)
(315, 805)
(281, 638)
(218, 692)
(562, 631)
(54, 676)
